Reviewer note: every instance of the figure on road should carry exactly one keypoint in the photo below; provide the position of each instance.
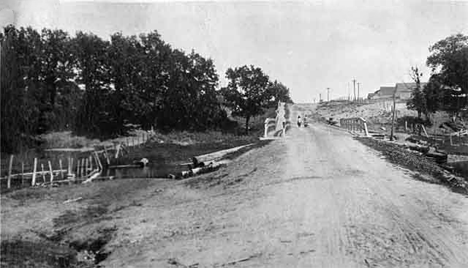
(299, 121)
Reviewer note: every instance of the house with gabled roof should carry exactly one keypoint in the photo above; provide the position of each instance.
(404, 90)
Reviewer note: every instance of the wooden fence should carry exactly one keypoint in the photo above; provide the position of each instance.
(70, 169)
(355, 124)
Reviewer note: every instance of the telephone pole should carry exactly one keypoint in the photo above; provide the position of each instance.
(349, 97)
(358, 90)
(354, 88)
(393, 116)
(320, 97)
(328, 94)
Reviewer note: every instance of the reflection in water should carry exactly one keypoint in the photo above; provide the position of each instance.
(155, 171)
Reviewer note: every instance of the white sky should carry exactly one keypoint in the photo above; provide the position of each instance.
(307, 45)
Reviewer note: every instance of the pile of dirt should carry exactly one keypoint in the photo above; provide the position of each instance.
(397, 154)
(377, 113)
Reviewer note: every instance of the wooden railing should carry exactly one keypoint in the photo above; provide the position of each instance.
(279, 123)
(355, 124)
(269, 123)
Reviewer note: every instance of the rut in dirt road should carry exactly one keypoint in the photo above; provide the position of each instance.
(317, 198)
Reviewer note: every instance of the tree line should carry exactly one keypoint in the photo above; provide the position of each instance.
(447, 88)
(53, 81)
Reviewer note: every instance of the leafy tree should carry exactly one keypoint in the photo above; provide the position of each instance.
(278, 92)
(93, 117)
(56, 66)
(157, 62)
(18, 84)
(246, 93)
(449, 59)
(417, 101)
(434, 94)
(51, 81)
(189, 99)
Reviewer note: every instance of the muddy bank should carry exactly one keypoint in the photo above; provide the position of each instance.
(49, 253)
(68, 226)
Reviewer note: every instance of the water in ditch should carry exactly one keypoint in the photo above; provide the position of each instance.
(150, 171)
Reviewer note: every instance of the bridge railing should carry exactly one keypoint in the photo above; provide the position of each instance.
(269, 123)
(355, 124)
(279, 123)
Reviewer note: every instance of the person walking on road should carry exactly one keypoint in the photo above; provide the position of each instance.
(299, 121)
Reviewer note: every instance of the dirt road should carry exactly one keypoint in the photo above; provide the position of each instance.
(316, 199)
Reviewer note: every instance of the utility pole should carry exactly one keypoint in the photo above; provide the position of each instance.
(393, 116)
(354, 88)
(328, 94)
(358, 90)
(320, 97)
(349, 98)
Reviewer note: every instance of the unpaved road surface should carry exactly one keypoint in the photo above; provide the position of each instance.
(315, 199)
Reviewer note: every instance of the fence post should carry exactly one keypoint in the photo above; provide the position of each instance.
(9, 171)
(78, 168)
(98, 160)
(87, 166)
(43, 175)
(61, 169)
(33, 181)
(83, 167)
(366, 131)
(51, 173)
(22, 173)
(70, 166)
(106, 155)
(117, 150)
(424, 130)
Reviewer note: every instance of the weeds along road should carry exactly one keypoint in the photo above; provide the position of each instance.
(316, 199)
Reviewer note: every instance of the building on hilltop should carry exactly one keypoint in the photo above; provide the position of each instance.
(402, 91)
(383, 93)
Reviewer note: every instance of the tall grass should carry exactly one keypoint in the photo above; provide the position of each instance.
(66, 139)
(190, 138)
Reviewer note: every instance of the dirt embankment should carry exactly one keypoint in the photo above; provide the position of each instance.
(377, 113)
(71, 226)
(426, 169)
